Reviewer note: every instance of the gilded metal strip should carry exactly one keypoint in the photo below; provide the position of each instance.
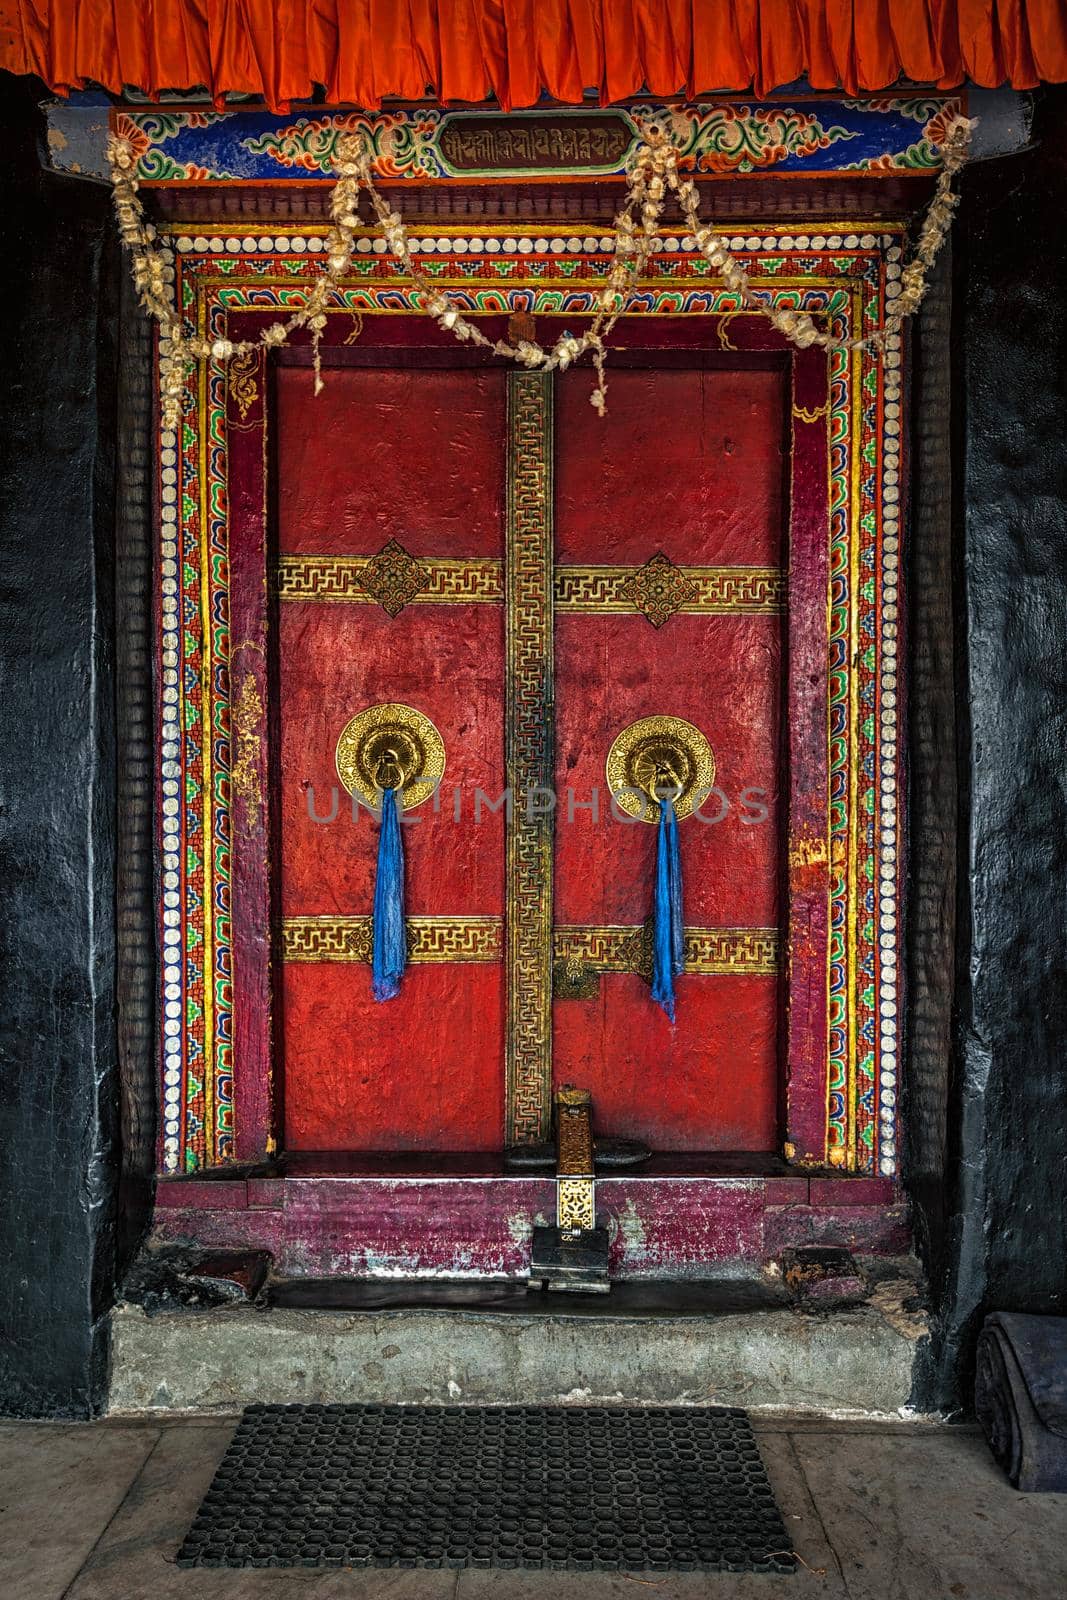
(574, 1133)
(575, 1161)
(430, 939)
(711, 591)
(575, 1204)
(709, 952)
(715, 591)
(529, 754)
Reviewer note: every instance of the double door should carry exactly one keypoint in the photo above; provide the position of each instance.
(479, 545)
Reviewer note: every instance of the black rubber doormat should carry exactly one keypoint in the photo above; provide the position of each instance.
(579, 1489)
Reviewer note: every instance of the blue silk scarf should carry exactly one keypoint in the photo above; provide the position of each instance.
(390, 951)
(668, 939)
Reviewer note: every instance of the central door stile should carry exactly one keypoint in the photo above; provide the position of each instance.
(529, 756)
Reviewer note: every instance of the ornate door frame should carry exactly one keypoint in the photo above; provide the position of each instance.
(844, 865)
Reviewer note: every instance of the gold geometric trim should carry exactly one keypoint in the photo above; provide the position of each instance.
(709, 952)
(659, 589)
(341, 578)
(720, 591)
(430, 939)
(574, 1138)
(529, 757)
(575, 1163)
(394, 578)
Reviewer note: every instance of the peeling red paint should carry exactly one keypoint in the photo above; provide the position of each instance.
(371, 1226)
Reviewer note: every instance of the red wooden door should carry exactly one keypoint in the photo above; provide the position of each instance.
(415, 456)
(688, 464)
(404, 450)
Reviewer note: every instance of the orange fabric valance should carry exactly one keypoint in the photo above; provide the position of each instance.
(364, 50)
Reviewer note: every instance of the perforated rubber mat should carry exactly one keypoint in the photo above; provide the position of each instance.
(573, 1489)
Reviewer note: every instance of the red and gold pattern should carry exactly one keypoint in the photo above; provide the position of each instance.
(658, 589)
(393, 578)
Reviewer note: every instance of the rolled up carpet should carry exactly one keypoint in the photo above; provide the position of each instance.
(1020, 1397)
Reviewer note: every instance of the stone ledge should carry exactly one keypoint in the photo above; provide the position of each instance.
(851, 1363)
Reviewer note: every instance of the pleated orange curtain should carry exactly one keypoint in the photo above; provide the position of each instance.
(455, 50)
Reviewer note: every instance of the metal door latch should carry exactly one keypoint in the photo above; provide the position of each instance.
(573, 1256)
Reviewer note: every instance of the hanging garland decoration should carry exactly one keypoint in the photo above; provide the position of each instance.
(653, 175)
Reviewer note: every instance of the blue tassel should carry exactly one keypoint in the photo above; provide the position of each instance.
(390, 954)
(669, 940)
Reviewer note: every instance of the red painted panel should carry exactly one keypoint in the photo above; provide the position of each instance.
(723, 675)
(422, 1072)
(841, 1192)
(230, 1194)
(381, 454)
(422, 1227)
(670, 1226)
(690, 463)
(448, 661)
(416, 455)
(708, 1083)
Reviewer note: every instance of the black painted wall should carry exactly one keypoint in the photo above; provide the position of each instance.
(58, 1083)
(933, 787)
(995, 1228)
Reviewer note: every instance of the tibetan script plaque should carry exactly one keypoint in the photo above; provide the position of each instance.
(585, 141)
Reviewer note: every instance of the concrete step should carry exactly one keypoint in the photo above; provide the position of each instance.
(677, 1347)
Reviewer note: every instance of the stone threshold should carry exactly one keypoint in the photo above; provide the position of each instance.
(764, 1355)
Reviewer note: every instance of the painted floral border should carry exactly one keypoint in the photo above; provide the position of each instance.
(810, 136)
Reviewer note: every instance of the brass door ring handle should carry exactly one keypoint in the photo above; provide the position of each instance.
(665, 758)
(665, 777)
(391, 771)
(386, 743)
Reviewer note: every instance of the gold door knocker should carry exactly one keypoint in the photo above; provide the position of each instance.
(659, 758)
(391, 747)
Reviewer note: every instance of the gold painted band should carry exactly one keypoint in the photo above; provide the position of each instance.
(711, 591)
(709, 952)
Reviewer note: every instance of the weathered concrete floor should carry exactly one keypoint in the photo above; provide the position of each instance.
(908, 1511)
